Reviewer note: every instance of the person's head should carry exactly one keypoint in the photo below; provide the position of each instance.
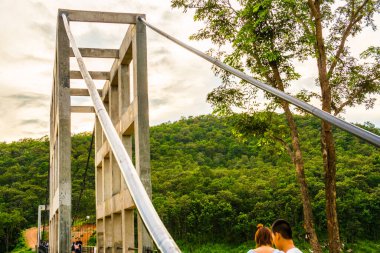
(263, 236)
(282, 233)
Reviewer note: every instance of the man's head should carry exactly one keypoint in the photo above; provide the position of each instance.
(282, 233)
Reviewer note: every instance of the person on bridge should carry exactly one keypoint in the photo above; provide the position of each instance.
(282, 237)
(264, 242)
(73, 247)
(77, 247)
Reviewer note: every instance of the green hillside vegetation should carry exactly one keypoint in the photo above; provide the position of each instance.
(24, 169)
(209, 186)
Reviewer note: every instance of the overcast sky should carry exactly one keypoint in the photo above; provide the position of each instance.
(178, 81)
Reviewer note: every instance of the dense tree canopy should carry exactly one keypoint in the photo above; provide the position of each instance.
(218, 188)
(210, 185)
(24, 169)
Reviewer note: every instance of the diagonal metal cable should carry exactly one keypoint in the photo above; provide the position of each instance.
(148, 214)
(84, 176)
(355, 130)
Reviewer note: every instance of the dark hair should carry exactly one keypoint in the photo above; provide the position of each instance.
(282, 227)
(263, 236)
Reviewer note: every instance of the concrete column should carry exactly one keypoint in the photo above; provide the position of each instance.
(142, 147)
(64, 138)
(60, 147)
(128, 230)
(124, 85)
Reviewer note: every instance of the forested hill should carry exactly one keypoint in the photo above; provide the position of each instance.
(208, 185)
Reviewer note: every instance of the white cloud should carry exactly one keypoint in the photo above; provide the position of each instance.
(178, 80)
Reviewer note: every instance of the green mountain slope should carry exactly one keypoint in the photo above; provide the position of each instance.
(208, 186)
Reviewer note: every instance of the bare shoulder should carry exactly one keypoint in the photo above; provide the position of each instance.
(294, 250)
(266, 250)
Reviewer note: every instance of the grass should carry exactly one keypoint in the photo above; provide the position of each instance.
(363, 246)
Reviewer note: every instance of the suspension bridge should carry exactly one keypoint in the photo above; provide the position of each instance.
(123, 186)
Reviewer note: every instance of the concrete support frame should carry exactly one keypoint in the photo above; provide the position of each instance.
(60, 147)
(126, 101)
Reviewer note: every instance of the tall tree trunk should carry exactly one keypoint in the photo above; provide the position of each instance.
(299, 164)
(327, 139)
(329, 163)
(7, 242)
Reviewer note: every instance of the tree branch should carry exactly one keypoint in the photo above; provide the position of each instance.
(313, 9)
(230, 6)
(341, 107)
(354, 19)
(349, 100)
(261, 66)
(287, 147)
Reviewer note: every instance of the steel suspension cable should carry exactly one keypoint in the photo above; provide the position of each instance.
(355, 130)
(148, 214)
(84, 175)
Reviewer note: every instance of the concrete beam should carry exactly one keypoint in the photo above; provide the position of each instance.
(97, 53)
(82, 109)
(117, 203)
(95, 75)
(126, 124)
(82, 92)
(106, 89)
(102, 153)
(101, 17)
(125, 54)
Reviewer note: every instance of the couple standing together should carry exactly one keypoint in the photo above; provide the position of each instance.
(280, 236)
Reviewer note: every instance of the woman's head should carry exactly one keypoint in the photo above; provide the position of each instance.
(263, 236)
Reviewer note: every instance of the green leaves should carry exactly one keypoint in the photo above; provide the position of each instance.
(10, 227)
(209, 186)
(257, 37)
(224, 186)
(371, 52)
(224, 99)
(355, 83)
(24, 169)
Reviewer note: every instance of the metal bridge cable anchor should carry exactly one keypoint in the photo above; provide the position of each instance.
(348, 127)
(148, 214)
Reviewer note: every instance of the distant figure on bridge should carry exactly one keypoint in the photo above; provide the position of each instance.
(44, 247)
(282, 237)
(264, 242)
(77, 247)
